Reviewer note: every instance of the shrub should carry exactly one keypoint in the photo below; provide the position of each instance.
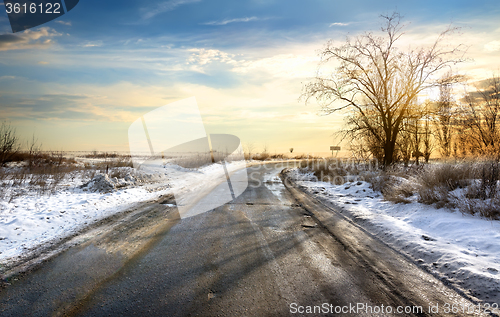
(335, 171)
(489, 179)
(300, 157)
(473, 188)
(193, 161)
(489, 208)
(96, 154)
(277, 156)
(451, 176)
(435, 182)
(262, 156)
(394, 188)
(9, 143)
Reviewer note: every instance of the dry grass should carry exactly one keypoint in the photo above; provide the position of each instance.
(40, 178)
(278, 157)
(202, 159)
(105, 155)
(432, 183)
(436, 184)
(489, 208)
(262, 156)
(471, 187)
(337, 171)
(42, 173)
(41, 158)
(119, 161)
(193, 161)
(395, 189)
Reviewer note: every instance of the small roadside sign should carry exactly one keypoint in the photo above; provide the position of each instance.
(334, 148)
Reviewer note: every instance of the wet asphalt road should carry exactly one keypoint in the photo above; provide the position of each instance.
(260, 255)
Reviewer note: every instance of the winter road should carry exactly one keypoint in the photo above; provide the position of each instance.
(271, 252)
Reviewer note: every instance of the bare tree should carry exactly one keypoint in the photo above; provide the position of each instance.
(445, 110)
(250, 147)
(9, 142)
(482, 119)
(427, 137)
(34, 151)
(359, 152)
(415, 137)
(365, 138)
(422, 141)
(404, 143)
(265, 153)
(378, 81)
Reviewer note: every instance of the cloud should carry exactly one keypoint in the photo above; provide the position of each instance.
(7, 39)
(41, 38)
(48, 106)
(92, 44)
(43, 63)
(200, 58)
(492, 46)
(281, 65)
(69, 107)
(165, 7)
(227, 21)
(68, 23)
(339, 24)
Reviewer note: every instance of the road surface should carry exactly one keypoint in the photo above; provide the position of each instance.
(263, 254)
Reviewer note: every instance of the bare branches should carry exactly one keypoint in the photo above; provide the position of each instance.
(379, 82)
(444, 112)
(481, 119)
(9, 142)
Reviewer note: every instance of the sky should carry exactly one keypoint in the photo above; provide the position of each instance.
(78, 82)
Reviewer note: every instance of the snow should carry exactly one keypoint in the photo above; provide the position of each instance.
(462, 248)
(31, 219)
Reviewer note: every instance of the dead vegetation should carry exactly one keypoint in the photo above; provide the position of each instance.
(336, 170)
(44, 172)
(471, 187)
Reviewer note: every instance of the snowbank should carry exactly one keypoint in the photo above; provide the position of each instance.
(463, 248)
(30, 220)
(103, 183)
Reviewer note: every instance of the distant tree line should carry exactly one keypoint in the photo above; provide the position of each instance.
(467, 127)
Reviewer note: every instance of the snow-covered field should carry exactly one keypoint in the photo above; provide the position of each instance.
(30, 220)
(462, 248)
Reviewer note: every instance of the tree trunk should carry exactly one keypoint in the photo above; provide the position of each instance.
(389, 153)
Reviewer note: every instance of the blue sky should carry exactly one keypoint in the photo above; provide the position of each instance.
(78, 82)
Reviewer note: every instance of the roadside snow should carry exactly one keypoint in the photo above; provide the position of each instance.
(463, 248)
(30, 220)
